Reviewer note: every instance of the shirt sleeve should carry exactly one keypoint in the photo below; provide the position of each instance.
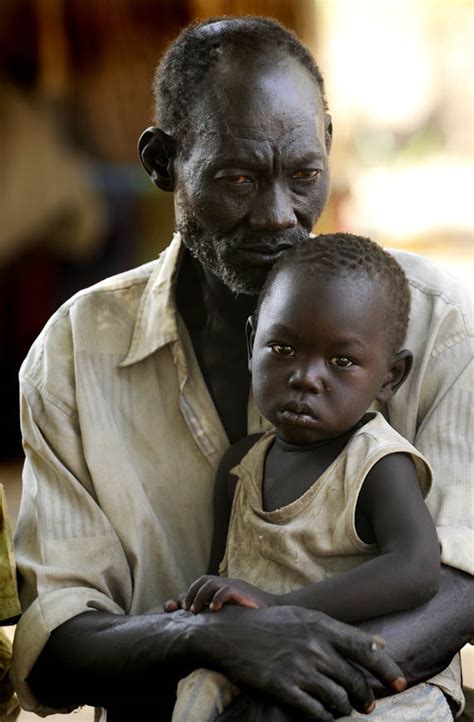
(70, 559)
(445, 437)
(433, 408)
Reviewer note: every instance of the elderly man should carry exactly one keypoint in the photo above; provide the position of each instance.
(136, 386)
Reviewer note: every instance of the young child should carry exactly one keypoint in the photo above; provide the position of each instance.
(327, 511)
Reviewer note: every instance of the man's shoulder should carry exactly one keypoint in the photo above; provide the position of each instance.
(438, 298)
(97, 319)
(430, 279)
(117, 287)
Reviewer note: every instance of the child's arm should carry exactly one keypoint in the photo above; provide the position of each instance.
(406, 571)
(403, 575)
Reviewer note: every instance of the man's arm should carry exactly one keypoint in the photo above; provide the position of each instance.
(101, 659)
(424, 640)
(108, 658)
(421, 640)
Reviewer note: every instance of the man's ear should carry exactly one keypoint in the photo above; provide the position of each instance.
(328, 131)
(157, 151)
(250, 328)
(396, 375)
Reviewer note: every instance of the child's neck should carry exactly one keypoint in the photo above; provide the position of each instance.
(291, 469)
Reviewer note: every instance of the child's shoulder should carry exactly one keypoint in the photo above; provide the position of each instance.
(236, 452)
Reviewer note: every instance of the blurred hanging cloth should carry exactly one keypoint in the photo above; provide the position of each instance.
(50, 214)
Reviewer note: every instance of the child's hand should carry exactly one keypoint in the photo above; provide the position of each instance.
(216, 591)
(171, 605)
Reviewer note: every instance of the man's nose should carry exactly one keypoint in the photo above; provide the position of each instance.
(308, 377)
(273, 210)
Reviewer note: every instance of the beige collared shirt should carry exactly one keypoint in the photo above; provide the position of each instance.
(122, 443)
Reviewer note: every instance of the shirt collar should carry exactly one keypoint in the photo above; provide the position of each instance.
(156, 323)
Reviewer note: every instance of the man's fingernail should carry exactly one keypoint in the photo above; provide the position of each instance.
(380, 640)
(399, 684)
(370, 708)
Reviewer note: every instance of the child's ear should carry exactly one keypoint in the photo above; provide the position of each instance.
(396, 375)
(250, 328)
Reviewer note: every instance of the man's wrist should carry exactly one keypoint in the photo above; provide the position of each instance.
(191, 638)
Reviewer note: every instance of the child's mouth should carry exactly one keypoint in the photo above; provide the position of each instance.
(299, 414)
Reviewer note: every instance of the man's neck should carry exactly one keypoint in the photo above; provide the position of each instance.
(234, 309)
(208, 300)
(215, 319)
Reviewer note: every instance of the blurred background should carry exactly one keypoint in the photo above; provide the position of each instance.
(75, 93)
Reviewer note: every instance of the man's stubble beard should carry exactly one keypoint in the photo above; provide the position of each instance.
(217, 251)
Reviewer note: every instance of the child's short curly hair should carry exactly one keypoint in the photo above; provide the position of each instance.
(347, 255)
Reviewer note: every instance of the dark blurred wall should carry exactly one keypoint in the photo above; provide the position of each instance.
(75, 204)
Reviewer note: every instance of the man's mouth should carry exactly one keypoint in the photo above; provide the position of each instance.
(262, 255)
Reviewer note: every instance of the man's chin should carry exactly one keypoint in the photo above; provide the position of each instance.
(240, 263)
(247, 282)
(239, 278)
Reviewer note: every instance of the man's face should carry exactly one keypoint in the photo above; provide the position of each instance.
(256, 178)
(320, 353)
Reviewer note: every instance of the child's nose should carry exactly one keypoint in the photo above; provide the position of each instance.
(308, 377)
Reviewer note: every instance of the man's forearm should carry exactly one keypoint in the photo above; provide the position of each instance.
(110, 661)
(100, 659)
(424, 640)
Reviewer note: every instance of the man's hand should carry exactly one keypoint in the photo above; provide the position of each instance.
(213, 592)
(301, 658)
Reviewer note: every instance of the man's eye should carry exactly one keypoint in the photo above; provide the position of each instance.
(281, 349)
(341, 362)
(306, 174)
(237, 179)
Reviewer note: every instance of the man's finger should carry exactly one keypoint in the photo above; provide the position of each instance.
(307, 705)
(366, 652)
(331, 695)
(354, 682)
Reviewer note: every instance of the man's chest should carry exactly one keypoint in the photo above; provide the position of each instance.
(223, 363)
(152, 442)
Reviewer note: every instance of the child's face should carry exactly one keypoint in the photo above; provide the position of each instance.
(320, 354)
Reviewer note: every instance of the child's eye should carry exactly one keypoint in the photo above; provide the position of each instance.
(282, 349)
(341, 362)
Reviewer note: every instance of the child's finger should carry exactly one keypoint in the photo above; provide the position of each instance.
(171, 605)
(228, 595)
(190, 596)
(205, 594)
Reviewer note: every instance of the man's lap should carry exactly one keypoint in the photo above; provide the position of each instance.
(417, 704)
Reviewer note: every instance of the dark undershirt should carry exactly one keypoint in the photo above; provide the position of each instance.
(303, 464)
(216, 327)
